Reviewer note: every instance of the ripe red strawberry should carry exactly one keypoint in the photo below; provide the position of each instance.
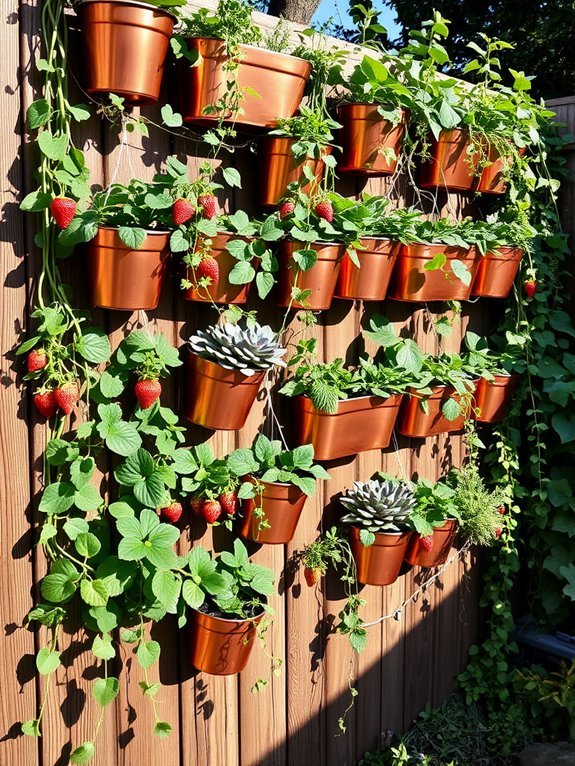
(498, 532)
(196, 505)
(208, 267)
(147, 392)
(324, 210)
(501, 510)
(211, 510)
(182, 211)
(171, 513)
(426, 542)
(66, 397)
(209, 204)
(62, 209)
(312, 575)
(530, 286)
(37, 360)
(44, 403)
(286, 208)
(229, 502)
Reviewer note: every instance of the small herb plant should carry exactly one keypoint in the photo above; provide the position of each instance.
(481, 510)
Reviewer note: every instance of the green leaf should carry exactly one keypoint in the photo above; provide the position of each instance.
(57, 451)
(120, 436)
(76, 526)
(270, 230)
(264, 283)
(305, 483)
(111, 386)
(367, 538)
(437, 262)
(242, 273)
(60, 584)
(53, 147)
(47, 661)
(93, 592)
(116, 575)
(38, 113)
(358, 640)
(184, 462)
(57, 498)
(87, 545)
(103, 648)
(451, 409)
(87, 498)
(79, 112)
(564, 425)
(35, 202)
(241, 462)
(409, 356)
(105, 690)
(132, 236)
(123, 508)
(162, 729)
(148, 653)
(81, 471)
(170, 118)
(232, 177)
(94, 345)
(82, 754)
(461, 271)
(192, 593)
(166, 588)
(31, 728)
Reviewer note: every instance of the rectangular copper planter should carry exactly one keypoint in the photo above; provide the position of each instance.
(380, 563)
(360, 424)
(220, 646)
(416, 423)
(221, 290)
(218, 398)
(281, 505)
(278, 80)
(450, 166)
(442, 541)
(124, 279)
(492, 398)
(496, 272)
(278, 169)
(411, 282)
(364, 137)
(320, 279)
(371, 280)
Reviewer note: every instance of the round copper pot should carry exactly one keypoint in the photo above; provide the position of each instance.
(278, 169)
(416, 423)
(371, 280)
(379, 564)
(221, 290)
(219, 646)
(360, 424)
(492, 398)
(496, 272)
(125, 279)
(278, 80)
(281, 505)
(218, 398)
(320, 279)
(364, 137)
(124, 47)
(450, 166)
(443, 538)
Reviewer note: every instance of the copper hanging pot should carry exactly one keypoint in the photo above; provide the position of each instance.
(370, 281)
(492, 178)
(360, 424)
(366, 140)
(124, 48)
(218, 398)
(414, 422)
(124, 279)
(411, 281)
(320, 279)
(450, 165)
(379, 564)
(496, 272)
(220, 290)
(492, 398)
(281, 505)
(272, 84)
(442, 541)
(278, 169)
(221, 646)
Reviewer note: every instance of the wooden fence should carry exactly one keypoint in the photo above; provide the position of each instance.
(217, 721)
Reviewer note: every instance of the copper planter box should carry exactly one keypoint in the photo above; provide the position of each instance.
(496, 273)
(492, 178)
(219, 646)
(364, 137)
(218, 398)
(371, 280)
(411, 282)
(278, 80)
(360, 424)
(379, 564)
(492, 398)
(221, 291)
(416, 423)
(443, 538)
(450, 166)
(124, 47)
(278, 169)
(320, 279)
(281, 505)
(125, 279)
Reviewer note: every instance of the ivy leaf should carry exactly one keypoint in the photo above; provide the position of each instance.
(103, 648)
(57, 498)
(105, 690)
(461, 271)
(170, 118)
(82, 754)
(47, 661)
(132, 236)
(232, 177)
(87, 498)
(148, 653)
(94, 345)
(87, 545)
(53, 147)
(264, 283)
(564, 425)
(162, 729)
(75, 526)
(451, 409)
(242, 273)
(38, 113)
(31, 728)
(79, 112)
(93, 592)
(60, 584)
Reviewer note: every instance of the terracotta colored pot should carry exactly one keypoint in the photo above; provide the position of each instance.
(218, 398)
(219, 646)
(125, 279)
(411, 282)
(492, 399)
(450, 165)
(278, 80)
(443, 538)
(364, 137)
(379, 564)
(370, 282)
(320, 279)
(220, 291)
(360, 424)
(491, 180)
(496, 272)
(416, 423)
(278, 169)
(124, 47)
(281, 505)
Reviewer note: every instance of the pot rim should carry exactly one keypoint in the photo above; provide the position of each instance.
(149, 232)
(376, 104)
(226, 619)
(191, 352)
(241, 45)
(317, 242)
(395, 534)
(355, 399)
(137, 3)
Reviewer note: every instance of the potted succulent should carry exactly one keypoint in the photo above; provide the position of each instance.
(226, 367)
(497, 381)
(231, 72)
(378, 514)
(276, 484)
(499, 265)
(435, 521)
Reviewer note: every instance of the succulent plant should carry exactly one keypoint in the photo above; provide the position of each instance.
(378, 506)
(248, 347)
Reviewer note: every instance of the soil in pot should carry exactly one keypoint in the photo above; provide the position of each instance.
(220, 290)
(496, 273)
(371, 145)
(442, 540)
(492, 398)
(280, 506)
(451, 165)
(320, 280)
(380, 563)
(415, 423)
(278, 169)
(370, 281)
